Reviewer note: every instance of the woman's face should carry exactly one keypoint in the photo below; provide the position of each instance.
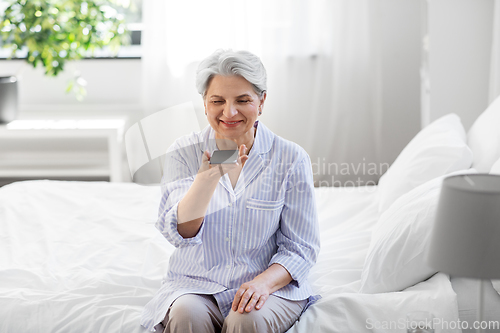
(232, 107)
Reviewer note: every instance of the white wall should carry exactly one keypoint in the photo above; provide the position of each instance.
(113, 88)
(400, 64)
(460, 46)
(459, 57)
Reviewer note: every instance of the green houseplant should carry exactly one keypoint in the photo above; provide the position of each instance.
(53, 32)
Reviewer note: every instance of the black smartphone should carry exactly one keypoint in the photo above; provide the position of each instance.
(224, 157)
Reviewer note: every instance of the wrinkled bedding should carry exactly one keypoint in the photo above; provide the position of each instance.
(86, 257)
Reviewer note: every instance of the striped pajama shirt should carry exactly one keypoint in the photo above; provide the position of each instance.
(269, 217)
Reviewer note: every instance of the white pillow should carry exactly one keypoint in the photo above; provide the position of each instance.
(495, 169)
(396, 257)
(438, 149)
(484, 138)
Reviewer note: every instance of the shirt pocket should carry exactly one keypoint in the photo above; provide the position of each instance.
(258, 204)
(262, 221)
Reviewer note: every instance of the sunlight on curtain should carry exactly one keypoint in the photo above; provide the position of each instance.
(322, 63)
(208, 25)
(495, 55)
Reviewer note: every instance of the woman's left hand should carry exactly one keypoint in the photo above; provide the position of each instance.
(242, 155)
(250, 295)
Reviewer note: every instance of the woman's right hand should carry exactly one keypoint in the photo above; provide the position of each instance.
(192, 208)
(215, 171)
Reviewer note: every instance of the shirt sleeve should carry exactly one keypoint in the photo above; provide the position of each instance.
(298, 235)
(176, 181)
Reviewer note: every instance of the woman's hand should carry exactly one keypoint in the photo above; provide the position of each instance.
(193, 207)
(243, 157)
(215, 171)
(254, 294)
(250, 295)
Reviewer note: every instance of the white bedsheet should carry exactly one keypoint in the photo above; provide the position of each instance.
(347, 216)
(85, 257)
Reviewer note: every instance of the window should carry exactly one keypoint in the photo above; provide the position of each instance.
(131, 10)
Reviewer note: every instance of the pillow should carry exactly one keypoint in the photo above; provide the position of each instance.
(438, 149)
(495, 169)
(396, 257)
(484, 138)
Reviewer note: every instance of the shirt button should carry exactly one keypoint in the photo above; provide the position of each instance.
(228, 266)
(230, 204)
(227, 239)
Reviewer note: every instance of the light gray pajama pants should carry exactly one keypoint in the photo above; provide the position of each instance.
(194, 313)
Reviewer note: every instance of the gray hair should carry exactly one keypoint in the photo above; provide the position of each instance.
(227, 63)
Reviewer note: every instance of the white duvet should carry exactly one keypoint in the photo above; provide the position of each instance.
(86, 257)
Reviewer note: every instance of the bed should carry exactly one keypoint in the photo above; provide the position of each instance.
(86, 257)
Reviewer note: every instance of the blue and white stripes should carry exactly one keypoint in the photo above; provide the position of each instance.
(269, 217)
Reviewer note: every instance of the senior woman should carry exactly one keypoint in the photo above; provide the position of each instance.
(246, 233)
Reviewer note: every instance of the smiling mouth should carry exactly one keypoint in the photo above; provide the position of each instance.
(231, 122)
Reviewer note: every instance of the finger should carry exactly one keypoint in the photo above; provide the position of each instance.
(205, 165)
(243, 159)
(229, 166)
(244, 300)
(261, 302)
(243, 150)
(237, 298)
(206, 156)
(252, 302)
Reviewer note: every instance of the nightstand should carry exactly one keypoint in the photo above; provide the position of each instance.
(62, 149)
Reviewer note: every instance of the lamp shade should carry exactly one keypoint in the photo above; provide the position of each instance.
(466, 237)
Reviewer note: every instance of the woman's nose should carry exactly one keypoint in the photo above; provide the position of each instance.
(230, 110)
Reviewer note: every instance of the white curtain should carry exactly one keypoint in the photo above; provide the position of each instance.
(322, 63)
(495, 55)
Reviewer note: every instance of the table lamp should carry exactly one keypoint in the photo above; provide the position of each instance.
(465, 240)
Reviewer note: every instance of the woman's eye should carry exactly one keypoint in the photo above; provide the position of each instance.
(216, 102)
(244, 101)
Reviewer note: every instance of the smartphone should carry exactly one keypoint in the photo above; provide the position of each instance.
(224, 157)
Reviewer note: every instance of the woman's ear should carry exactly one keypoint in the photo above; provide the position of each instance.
(262, 100)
